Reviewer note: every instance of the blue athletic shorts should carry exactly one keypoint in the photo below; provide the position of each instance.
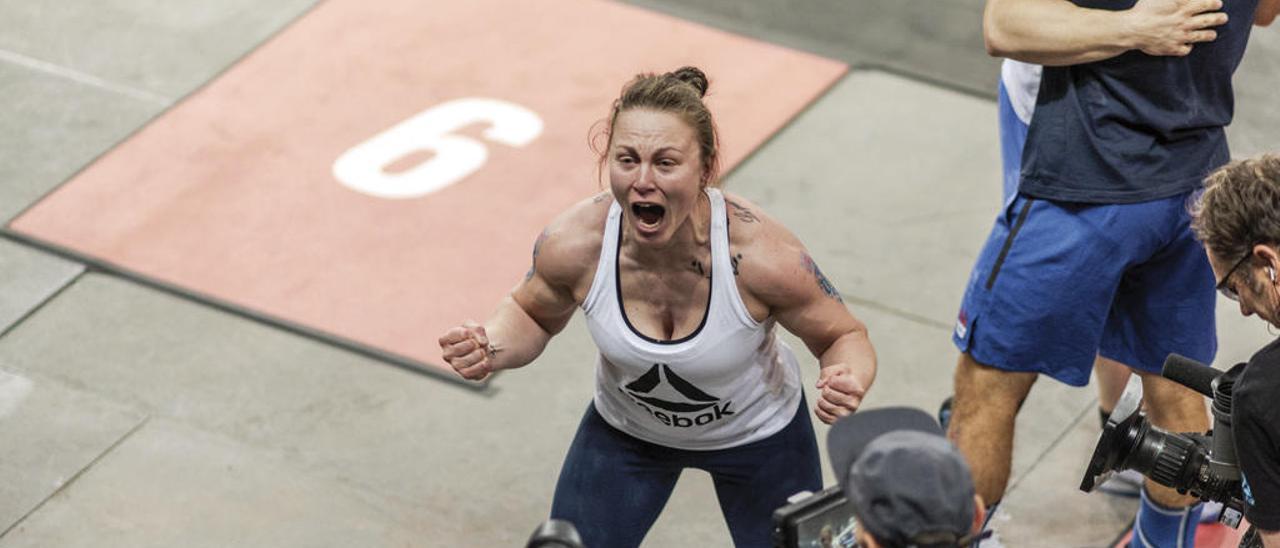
(1058, 283)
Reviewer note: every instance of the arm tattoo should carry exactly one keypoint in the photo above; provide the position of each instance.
(743, 214)
(537, 247)
(734, 262)
(823, 282)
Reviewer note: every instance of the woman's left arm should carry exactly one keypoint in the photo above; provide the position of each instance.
(788, 281)
(816, 313)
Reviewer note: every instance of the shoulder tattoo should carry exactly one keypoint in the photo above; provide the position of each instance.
(743, 214)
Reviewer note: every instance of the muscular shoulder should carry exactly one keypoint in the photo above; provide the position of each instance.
(747, 221)
(567, 250)
(773, 264)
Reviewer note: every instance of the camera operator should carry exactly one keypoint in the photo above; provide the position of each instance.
(909, 487)
(1238, 219)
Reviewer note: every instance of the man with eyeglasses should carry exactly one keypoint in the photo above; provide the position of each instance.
(1238, 220)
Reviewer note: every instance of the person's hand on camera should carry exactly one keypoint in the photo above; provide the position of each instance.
(1173, 27)
(466, 348)
(841, 392)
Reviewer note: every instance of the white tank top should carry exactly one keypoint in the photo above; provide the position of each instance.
(729, 383)
(1022, 83)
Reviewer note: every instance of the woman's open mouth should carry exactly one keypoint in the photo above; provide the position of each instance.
(648, 215)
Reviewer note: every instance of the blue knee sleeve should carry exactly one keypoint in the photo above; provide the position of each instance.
(1159, 527)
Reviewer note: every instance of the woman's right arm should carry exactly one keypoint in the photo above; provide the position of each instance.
(537, 309)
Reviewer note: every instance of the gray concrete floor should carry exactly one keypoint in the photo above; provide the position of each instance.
(131, 417)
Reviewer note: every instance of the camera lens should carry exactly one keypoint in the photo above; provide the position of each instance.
(1164, 457)
(1170, 459)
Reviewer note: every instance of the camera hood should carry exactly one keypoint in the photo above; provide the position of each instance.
(1112, 447)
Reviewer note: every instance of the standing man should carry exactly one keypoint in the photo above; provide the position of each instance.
(1238, 219)
(1018, 86)
(1094, 257)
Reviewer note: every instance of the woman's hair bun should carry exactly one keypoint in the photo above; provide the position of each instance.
(692, 76)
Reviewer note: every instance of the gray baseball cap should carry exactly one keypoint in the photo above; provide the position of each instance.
(908, 485)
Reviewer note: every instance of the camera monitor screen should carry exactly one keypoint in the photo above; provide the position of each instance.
(821, 520)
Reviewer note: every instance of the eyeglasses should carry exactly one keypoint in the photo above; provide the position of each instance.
(1226, 290)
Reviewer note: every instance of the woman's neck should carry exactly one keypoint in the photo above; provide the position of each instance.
(686, 245)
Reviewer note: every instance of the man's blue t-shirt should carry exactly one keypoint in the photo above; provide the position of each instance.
(1135, 127)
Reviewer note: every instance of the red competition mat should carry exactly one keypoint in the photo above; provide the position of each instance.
(375, 175)
(1208, 535)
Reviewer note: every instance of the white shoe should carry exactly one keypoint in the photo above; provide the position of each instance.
(1209, 512)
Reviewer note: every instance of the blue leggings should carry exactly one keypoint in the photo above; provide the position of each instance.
(613, 486)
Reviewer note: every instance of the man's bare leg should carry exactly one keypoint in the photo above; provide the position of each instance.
(1112, 377)
(1174, 408)
(982, 419)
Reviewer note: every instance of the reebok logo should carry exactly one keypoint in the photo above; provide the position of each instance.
(674, 401)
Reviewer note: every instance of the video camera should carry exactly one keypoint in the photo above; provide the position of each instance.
(1202, 465)
(815, 520)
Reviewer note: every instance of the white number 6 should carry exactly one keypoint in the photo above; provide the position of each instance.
(363, 167)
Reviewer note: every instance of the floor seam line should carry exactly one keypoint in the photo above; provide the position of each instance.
(76, 476)
(1056, 442)
(903, 314)
(82, 77)
(40, 305)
